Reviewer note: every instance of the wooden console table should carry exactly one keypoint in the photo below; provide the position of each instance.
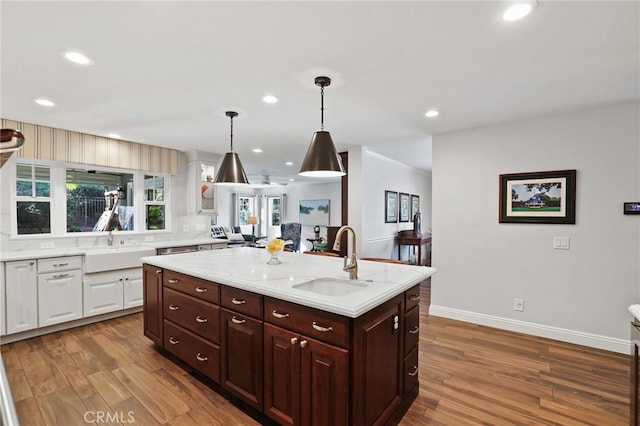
(410, 239)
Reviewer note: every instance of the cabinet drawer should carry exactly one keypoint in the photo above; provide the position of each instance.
(241, 301)
(195, 351)
(325, 326)
(194, 314)
(411, 329)
(411, 297)
(55, 264)
(410, 371)
(202, 289)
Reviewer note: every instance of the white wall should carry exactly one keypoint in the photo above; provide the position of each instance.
(380, 173)
(579, 295)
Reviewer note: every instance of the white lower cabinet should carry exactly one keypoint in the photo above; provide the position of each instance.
(59, 290)
(112, 291)
(21, 291)
(3, 313)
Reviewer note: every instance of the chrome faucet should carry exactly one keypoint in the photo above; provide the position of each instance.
(352, 267)
(110, 238)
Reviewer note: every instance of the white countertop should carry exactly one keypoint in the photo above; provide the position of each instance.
(8, 256)
(246, 268)
(635, 311)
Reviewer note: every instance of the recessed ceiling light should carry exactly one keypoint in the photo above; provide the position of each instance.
(78, 58)
(257, 150)
(291, 179)
(432, 113)
(270, 99)
(114, 135)
(289, 163)
(44, 102)
(517, 11)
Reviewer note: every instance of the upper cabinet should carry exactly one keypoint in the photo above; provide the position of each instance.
(202, 168)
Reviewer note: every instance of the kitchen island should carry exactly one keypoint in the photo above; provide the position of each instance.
(298, 341)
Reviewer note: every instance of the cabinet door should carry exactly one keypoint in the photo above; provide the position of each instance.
(3, 317)
(324, 382)
(242, 357)
(132, 281)
(152, 302)
(22, 296)
(102, 293)
(281, 375)
(378, 360)
(60, 297)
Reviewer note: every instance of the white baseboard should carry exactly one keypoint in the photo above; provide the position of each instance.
(562, 334)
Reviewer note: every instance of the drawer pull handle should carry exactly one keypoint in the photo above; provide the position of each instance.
(201, 357)
(414, 372)
(158, 271)
(201, 290)
(57, 265)
(303, 344)
(173, 281)
(237, 321)
(321, 328)
(200, 319)
(414, 330)
(294, 340)
(414, 297)
(173, 341)
(238, 301)
(60, 275)
(279, 315)
(173, 307)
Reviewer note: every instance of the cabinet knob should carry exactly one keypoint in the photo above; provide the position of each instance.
(173, 341)
(201, 320)
(173, 281)
(238, 301)
(158, 271)
(58, 265)
(201, 290)
(60, 276)
(414, 297)
(321, 328)
(173, 307)
(279, 314)
(294, 340)
(414, 330)
(303, 344)
(201, 358)
(237, 321)
(414, 372)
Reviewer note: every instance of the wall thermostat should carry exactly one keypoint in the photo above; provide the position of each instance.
(632, 207)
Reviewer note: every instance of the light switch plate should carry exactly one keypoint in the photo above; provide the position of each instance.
(561, 243)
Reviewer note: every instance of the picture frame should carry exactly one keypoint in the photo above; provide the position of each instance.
(390, 207)
(415, 205)
(314, 212)
(539, 197)
(405, 207)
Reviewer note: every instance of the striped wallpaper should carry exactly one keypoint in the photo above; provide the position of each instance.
(47, 143)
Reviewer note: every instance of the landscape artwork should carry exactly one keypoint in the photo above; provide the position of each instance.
(314, 212)
(542, 197)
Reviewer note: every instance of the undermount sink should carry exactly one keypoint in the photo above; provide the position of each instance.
(332, 286)
(111, 258)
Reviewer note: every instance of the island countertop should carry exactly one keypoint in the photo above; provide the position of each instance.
(246, 268)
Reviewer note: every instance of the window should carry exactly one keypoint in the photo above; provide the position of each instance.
(33, 199)
(154, 199)
(274, 211)
(99, 201)
(245, 209)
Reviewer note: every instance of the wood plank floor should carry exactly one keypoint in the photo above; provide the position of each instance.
(109, 373)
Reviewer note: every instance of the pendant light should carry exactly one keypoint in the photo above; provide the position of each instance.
(231, 171)
(321, 159)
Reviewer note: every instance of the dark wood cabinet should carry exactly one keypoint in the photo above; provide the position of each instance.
(241, 372)
(152, 303)
(281, 375)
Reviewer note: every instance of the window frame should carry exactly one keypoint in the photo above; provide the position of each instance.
(15, 198)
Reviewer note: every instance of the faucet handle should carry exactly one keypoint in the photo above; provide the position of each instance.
(345, 263)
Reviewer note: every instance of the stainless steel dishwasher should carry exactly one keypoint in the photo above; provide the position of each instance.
(183, 249)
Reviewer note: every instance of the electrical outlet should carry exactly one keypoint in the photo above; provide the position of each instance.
(185, 228)
(518, 305)
(47, 244)
(149, 238)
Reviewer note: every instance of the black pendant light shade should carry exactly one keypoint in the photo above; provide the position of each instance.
(322, 159)
(231, 171)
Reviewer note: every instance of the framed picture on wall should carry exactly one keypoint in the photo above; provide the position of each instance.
(390, 207)
(538, 197)
(415, 205)
(314, 212)
(405, 208)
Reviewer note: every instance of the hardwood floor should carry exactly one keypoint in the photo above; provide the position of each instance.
(109, 373)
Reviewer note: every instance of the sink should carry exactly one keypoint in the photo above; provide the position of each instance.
(332, 286)
(111, 258)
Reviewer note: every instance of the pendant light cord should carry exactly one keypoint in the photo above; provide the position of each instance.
(322, 107)
(231, 133)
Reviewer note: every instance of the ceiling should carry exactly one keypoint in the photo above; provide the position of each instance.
(164, 73)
